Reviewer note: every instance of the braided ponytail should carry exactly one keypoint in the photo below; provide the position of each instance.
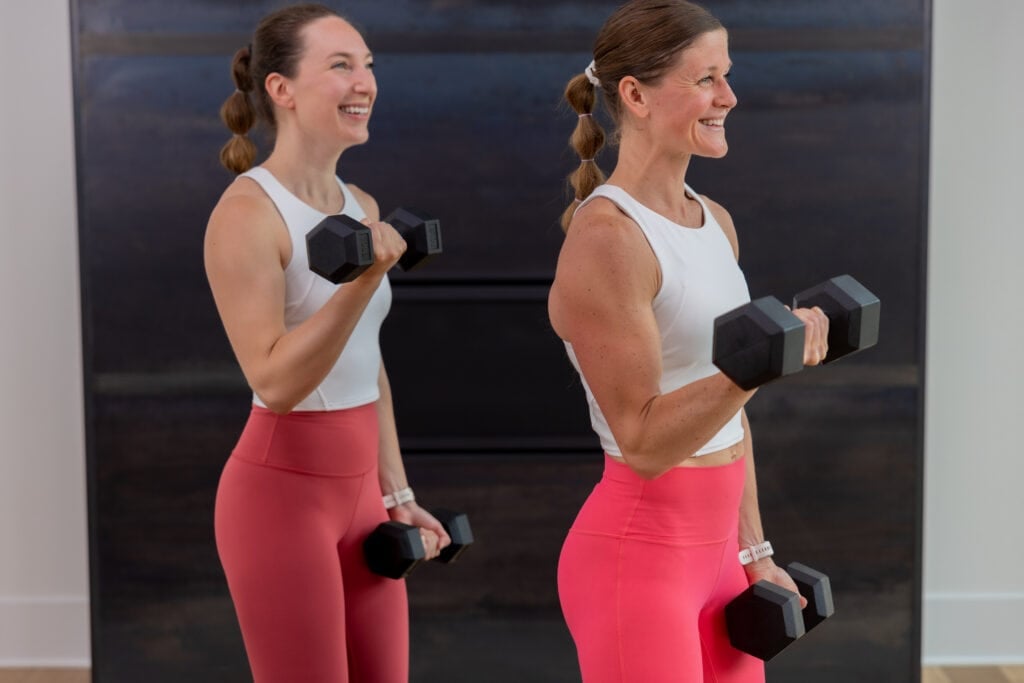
(587, 139)
(237, 113)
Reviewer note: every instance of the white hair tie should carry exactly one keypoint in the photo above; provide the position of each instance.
(589, 71)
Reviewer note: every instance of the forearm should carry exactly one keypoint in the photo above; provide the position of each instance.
(674, 426)
(750, 530)
(392, 471)
(301, 358)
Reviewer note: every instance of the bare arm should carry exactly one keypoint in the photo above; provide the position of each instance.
(750, 529)
(245, 253)
(601, 303)
(392, 475)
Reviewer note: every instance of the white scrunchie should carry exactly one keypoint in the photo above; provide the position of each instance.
(589, 71)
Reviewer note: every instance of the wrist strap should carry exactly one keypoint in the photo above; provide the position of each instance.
(756, 552)
(399, 497)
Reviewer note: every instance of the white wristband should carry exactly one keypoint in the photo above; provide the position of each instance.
(756, 552)
(399, 497)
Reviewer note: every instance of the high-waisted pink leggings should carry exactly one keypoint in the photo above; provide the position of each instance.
(646, 572)
(296, 499)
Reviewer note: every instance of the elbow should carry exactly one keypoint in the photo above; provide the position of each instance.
(279, 408)
(643, 463)
(644, 468)
(275, 401)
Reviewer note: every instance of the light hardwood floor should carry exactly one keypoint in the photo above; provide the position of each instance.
(949, 674)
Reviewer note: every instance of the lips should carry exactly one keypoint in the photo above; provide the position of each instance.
(356, 109)
(714, 123)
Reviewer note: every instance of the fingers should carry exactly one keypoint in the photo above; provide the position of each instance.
(815, 334)
(431, 543)
(388, 244)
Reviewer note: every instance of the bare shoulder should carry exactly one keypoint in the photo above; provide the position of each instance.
(243, 200)
(724, 220)
(366, 201)
(605, 266)
(245, 218)
(601, 225)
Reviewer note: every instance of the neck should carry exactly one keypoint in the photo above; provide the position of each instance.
(654, 177)
(307, 170)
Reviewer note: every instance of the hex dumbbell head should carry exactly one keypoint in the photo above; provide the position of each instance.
(764, 619)
(339, 248)
(816, 587)
(394, 550)
(853, 314)
(422, 234)
(457, 526)
(758, 342)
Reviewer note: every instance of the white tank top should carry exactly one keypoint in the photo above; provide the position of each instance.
(700, 280)
(353, 379)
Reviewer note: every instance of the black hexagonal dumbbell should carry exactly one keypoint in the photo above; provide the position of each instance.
(816, 587)
(758, 342)
(853, 314)
(339, 247)
(422, 235)
(763, 340)
(394, 549)
(766, 618)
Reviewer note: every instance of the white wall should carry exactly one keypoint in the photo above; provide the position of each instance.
(974, 544)
(43, 557)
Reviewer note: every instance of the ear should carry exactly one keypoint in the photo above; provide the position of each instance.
(633, 97)
(280, 91)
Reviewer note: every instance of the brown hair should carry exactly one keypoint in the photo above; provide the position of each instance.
(642, 39)
(277, 47)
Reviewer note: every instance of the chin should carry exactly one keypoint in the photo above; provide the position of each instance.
(716, 153)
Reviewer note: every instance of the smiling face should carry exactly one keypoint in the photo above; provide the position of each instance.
(333, 92)
(688, 106)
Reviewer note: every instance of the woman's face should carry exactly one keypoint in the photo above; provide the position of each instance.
(688, 107)
(334, 89)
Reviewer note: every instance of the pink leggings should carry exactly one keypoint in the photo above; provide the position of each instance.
(296, 499)
(645, 574)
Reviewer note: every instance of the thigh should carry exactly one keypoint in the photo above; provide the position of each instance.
(632, 607)
(376, 607)
(722, 662)
(277, 544)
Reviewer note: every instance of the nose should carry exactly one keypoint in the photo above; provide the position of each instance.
(365, 81)
(726, 97)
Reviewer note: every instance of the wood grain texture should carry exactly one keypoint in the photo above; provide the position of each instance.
(826, 174)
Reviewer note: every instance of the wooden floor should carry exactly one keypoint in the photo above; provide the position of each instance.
(948, 674)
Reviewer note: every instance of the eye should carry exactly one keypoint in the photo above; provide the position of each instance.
(341, 65)
(707, 80)
(369, 65)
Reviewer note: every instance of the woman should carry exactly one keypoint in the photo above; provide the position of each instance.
(646, 266)
(318, 462)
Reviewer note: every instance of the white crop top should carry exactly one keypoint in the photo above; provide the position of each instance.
(700, 280)
(353, 379)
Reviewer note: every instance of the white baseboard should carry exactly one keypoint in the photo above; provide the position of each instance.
(973, 629)
(44, 631)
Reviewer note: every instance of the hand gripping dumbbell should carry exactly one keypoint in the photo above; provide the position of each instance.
(763, 340)
(339, 247)
(395, 549)
(766, 618)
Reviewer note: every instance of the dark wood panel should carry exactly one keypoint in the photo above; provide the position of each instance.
(527, 17)
(826, 175)
(810, 200)
(831, 486)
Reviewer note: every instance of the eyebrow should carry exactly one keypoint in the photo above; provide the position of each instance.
(347, 55)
